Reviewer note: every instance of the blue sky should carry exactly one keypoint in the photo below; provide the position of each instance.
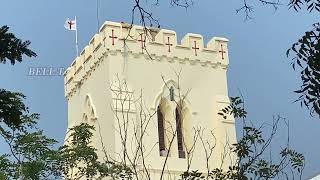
(258, 65)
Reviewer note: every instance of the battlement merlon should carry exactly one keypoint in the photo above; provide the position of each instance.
(159, 43)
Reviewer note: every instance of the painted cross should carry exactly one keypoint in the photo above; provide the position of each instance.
(70, 24)
(143, 41)
(169, 44)
(222, 52)
(113, 37)
(195, 48)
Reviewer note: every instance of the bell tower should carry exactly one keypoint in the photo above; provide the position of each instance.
(154, 101)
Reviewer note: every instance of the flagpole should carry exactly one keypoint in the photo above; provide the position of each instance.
(77, 47)
(98, 21)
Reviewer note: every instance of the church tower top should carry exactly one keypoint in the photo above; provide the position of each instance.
(127, 84)
(153, 43)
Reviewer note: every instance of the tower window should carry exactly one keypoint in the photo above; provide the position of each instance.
(171, 93)
(162, 146)
(179, 134)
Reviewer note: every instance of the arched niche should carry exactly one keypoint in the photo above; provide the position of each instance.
(89, 108)
(168, 106)
(164, 92)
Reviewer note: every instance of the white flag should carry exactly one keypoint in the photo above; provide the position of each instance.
(70, 25)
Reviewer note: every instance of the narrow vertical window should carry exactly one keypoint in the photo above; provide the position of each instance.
(179, 134)
(162, 146)
(171, 93)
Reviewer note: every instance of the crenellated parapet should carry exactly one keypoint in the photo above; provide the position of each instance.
(157, 44)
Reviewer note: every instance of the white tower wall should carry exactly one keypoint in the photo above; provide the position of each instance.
(92, 89)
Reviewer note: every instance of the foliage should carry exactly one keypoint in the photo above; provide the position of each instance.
(79, 159)
(307, 56)
(32, 155)
(31, 152)
(235, 108)
(251, 160)
(12, 48)
(11, 108)
(312, 5)
(193, 175)
(306, 50)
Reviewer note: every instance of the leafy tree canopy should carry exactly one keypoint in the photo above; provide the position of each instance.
(13, 48)
(306, 55)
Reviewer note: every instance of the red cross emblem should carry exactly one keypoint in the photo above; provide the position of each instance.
(70, 24)
(169, 45)
(222, 52)
(195, 48)
(112, 37)
(143, 42)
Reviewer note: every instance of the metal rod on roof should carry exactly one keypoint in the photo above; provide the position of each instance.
(98, 21)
